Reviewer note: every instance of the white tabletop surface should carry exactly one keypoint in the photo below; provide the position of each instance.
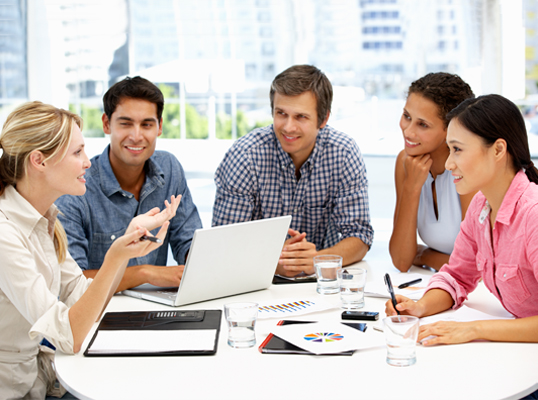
(478, 370)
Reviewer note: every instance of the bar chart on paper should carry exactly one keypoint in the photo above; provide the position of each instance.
(293, 307)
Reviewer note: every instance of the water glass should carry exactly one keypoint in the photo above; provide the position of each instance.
(401, 333)
(351, 281)
(326, 267)
(241, 319)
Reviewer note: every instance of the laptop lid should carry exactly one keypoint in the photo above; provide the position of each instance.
(224, 261)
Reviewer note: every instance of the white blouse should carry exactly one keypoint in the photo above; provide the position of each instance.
(440, 232)
(35, 294)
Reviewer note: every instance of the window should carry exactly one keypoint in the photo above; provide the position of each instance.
(223, 54)
(13, 61)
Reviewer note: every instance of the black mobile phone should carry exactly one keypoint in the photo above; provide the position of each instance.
(361, 315)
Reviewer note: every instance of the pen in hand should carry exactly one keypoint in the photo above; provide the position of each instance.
(151, 239)
(388, 283)
(407, 284)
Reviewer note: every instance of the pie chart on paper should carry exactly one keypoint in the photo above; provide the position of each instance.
(324, 337)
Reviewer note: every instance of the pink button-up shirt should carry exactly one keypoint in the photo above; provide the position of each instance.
(510, 267)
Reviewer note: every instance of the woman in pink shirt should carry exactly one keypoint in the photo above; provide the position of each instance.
(498, 240)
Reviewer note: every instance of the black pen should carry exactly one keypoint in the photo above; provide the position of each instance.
(151, 239)
(388, 282)
(406, 284)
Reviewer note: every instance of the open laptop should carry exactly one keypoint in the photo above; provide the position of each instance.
(224, 261)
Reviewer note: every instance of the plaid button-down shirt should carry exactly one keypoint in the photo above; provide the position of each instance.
(256, 179)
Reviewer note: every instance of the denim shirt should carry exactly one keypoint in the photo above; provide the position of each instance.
(94, 220)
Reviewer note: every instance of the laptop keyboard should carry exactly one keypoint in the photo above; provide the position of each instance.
(170, 293)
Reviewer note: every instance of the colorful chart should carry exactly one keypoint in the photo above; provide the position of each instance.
(286, 307)
(324, 337)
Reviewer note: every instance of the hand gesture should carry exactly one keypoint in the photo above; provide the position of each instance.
(297, 255)
(416, 170)
(130, 246)
(155, 217)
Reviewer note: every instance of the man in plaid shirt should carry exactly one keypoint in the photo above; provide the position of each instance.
(299, 166)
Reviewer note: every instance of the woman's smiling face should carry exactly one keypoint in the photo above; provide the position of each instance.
(471, 162)
(422, 128)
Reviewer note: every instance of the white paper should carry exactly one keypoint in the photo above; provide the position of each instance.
(414, 292)
(138, 341)
(328, 337)
(462, 314)
(285, 308)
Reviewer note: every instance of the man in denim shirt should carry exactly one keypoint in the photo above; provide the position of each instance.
(127, 179)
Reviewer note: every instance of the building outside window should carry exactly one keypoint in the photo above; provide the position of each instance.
(215, 59)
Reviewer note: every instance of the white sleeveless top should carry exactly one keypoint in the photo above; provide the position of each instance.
(439, 234)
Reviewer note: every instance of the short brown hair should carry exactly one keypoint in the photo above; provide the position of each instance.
(299, 79)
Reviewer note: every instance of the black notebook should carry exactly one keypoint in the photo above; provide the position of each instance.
(275, 345)
(156, 333)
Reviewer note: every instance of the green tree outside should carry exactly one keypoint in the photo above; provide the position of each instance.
(197, 125)
(224, 125)
(91, 117)
(261, 124)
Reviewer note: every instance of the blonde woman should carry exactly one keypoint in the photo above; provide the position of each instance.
(43, 293)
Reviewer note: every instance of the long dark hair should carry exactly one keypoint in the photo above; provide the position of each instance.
(494, 117)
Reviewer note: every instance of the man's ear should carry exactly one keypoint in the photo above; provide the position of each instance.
(322, 125)
(106, 124)
(37, 160)
(160, 127)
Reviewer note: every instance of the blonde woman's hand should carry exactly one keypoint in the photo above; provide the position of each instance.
(155, 217)
(130, 246)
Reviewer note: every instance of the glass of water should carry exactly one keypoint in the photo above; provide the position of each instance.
(351, 281)
(326, 267)
(241, 319)
(401, 333)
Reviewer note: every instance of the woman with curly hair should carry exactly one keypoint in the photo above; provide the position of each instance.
(426, 198)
